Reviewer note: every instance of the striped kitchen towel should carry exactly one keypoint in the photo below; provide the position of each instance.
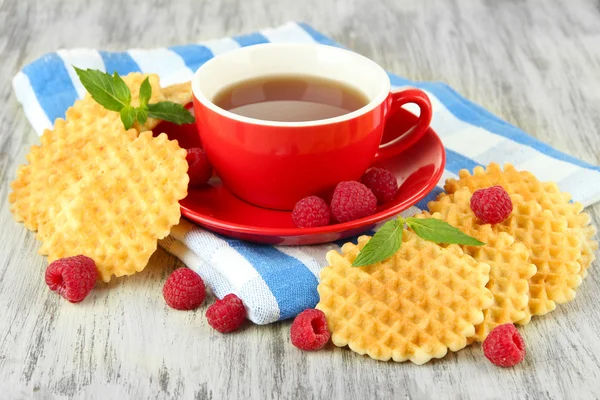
(277, 282)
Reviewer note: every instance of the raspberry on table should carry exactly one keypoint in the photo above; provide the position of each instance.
(311, 212)
(199, 169)
(382, 183)
(309, 330)
(504, 346)
(491, 205)
(73, 277)
(352, 200)
(184, 289)
(227, 314)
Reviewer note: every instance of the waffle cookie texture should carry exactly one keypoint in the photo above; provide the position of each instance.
(126, 201)
(180, 93)
(554, 248)
(416, 305)
(93, 188)
(401, 308)
(41, 180)
(546, 194)
(510, 267)
(53, 165)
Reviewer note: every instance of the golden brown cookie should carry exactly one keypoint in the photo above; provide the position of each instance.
(510, 268)
(52, 164)
(547, 194)
(180, 93)
(555, 249)
(125, 200)
(416, 305)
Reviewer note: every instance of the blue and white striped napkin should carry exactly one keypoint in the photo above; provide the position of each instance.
(277, 282)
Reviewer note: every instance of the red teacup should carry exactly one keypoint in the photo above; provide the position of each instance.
(274, 164)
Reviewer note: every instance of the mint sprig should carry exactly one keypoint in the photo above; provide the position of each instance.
(388, 239)
(128, 116)
(112, 93)
(438, 231)
(169, 111)
(121, 90)
(382, 245)
(145, 92)
(105, 89)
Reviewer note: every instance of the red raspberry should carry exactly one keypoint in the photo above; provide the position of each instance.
(184, 289)
(491, 205)
(311, 212)
(226, 315)
(504, 346)
(199, 169)
(309, 330)
(382, 183)
(352, 200)
(72, 277)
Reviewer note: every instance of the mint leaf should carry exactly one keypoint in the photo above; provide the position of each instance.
(121, 89)
(102, 88)
(112, 93)
(128, 115)
(145, 93)
(382, 245)
(141, 114)
(439, 231)
(169, 111)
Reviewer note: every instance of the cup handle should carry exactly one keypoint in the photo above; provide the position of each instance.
(401, 143)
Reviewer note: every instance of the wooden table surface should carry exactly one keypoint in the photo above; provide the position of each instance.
(534, 63)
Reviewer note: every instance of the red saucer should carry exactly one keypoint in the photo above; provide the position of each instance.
(214, 207)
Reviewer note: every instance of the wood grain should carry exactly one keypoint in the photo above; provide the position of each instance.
(534, 63)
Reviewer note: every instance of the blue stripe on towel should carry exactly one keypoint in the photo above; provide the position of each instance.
(193, 55)
(51, 84)
(291, 282)
(473, 114)
(250, 39)
(422, 205)
(395, 80)
(455, 162)
(120, 62)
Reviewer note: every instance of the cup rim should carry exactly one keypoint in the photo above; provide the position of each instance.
(375, 102)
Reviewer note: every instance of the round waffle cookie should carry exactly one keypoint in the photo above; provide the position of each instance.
(180, 93)
(416, 305)
(547, 194)
(52, 164)
(554, 247)
(126, 199)
(510, 267)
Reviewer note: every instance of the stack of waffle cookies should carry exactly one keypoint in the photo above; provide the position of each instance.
(93, 188)
(428, 298)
